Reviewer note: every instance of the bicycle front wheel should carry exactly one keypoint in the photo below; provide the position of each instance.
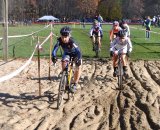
(97, 49)
(61, 90)
(120, 75)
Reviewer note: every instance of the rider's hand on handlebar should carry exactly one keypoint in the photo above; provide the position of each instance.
(111, 53)
(128, 54)
(78, 62)
(54, 60)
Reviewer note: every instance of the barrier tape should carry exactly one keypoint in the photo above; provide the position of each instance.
(54, 35)
(11, 75)
(144, 30)
(46, 39)
(16, 36)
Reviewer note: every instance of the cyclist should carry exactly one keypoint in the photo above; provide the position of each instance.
(96, 32)
(70, 49)
(123, 24)
(124, 45)
(114, 31)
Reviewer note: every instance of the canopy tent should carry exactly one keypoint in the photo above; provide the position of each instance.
(48, 18)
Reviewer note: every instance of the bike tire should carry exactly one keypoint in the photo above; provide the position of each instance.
(61, 90)
(96, 49)
(120, 75)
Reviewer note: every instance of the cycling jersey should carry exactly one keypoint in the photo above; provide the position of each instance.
(114, 31)
(148, 24)
(70, 48)
(124, 46)
(96, 30)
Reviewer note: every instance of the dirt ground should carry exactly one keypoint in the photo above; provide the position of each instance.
(97, 104)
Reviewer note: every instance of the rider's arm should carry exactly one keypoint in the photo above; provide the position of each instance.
(129, 46)
(113, 44)
(91, 31)
(111, 35)
(128, 30)
(77, 50)
(101, 31)
(55, 49)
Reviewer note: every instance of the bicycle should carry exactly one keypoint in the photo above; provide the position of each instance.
(65, 82)
(96, 46)
(120, 71)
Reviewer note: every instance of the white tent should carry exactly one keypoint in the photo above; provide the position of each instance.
(48, 18)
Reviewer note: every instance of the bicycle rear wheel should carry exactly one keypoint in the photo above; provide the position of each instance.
(61, 90)
(97, 49)
(120, 74)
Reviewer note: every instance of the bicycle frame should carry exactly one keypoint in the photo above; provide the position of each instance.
(120, 70)
(96, 46)
(65, 82)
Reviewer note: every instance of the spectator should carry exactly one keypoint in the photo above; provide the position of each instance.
(148, 27)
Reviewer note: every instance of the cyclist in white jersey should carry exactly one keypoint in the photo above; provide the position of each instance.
(124, 45)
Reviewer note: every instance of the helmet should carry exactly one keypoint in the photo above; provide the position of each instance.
(122, 33)
(116, 23)
(95, 22)
(65, 31)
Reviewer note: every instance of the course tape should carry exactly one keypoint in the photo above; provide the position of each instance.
(16, 36)
(144, 30)
(46, 39)
(16, 72)
(9, 76)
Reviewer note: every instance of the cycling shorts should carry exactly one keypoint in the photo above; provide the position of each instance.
(66, 58)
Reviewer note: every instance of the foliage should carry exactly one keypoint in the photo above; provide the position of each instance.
(77, 9)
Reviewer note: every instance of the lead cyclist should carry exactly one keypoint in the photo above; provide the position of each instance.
(70, 49)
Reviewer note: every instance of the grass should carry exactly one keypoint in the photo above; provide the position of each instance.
(142, 49)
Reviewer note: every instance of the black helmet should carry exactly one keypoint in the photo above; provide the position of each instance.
(122, 33)
(65, 31)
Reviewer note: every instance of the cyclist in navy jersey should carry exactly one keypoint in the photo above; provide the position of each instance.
(96, 31)
(70, 49)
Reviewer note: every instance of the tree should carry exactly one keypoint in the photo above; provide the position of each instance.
(110, 9)
(132, 8)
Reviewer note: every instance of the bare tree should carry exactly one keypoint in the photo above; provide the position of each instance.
(132, 8)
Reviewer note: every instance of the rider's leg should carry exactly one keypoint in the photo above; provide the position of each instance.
(65, 59)
(124, 61)
(77, 74)
(99, 42)
(93, 41)
(114, 58)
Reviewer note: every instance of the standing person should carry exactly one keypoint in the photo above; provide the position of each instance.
(154, 21)
(124, 45)
(99, 18)
(148, 27)
(114, 31)
(70, 49)
(96, 32)
(83, 23)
